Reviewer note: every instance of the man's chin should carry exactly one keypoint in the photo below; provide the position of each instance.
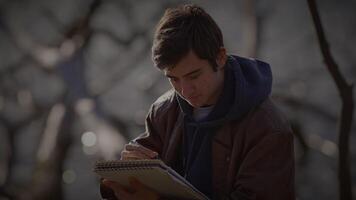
(194, 104)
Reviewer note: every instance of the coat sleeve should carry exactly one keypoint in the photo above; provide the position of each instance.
(267, 170)
(151, 138)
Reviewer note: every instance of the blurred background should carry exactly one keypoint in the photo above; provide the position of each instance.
(76, 81)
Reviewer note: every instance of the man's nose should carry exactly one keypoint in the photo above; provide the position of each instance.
(187, 89)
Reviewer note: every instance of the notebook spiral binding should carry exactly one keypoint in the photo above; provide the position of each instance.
(128, 165)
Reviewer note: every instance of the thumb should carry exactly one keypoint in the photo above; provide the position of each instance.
(142, 191)
(136, 184)
(112, 184)
(116, 187)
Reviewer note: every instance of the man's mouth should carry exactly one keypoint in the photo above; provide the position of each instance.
(193, 97)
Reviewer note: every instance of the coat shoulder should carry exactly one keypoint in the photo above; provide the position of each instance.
(165, 105)
(266, 119)
(270, 117)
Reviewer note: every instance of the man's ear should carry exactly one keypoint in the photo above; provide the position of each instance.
(221, 58)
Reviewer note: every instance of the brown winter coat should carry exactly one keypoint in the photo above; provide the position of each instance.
(251, 159)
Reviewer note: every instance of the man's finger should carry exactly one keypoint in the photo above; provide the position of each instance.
(130, 155)
(140, 148)
(136, 184)
(120, 192)
(142, 190)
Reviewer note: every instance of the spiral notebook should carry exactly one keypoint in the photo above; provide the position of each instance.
(153, 173)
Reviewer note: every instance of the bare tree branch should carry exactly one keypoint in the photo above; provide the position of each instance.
(250, 28)
(296, 103)
(46, 182)
(345, 91)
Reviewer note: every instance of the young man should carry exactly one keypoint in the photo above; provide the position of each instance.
(217, 127)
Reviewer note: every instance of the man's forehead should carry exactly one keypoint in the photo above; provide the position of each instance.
(171, 71)
(189, 63)
(183, 73)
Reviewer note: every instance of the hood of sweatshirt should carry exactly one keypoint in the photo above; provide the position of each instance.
(247, 83)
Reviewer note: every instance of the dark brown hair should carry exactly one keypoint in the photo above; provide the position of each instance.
(185, 28)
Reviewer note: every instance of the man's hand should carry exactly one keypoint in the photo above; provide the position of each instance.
(137, 151)
(137, 191)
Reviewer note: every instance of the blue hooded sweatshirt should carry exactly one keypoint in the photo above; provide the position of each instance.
(247, 83)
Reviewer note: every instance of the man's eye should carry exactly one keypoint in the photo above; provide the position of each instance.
(194, 77)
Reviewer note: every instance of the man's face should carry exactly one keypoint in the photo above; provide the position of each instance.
(195, 80)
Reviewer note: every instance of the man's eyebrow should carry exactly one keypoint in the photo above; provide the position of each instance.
(185, 75)
(192, 72)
